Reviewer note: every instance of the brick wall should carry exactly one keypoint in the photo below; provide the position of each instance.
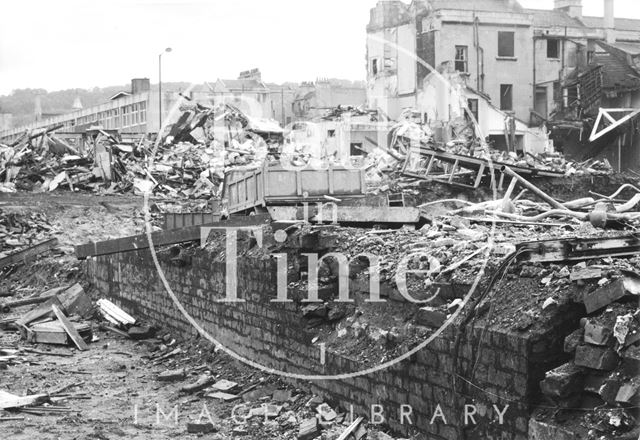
(274, 334)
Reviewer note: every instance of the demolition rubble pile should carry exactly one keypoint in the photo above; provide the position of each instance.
(408, 135)
(601, 379)
(42, 166)
(544, 161)
(205, 143)
(18, 232)
(189, 163)
(65, 328)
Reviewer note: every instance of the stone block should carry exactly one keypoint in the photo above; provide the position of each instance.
(139, 332)
(201, 428)
(627, 393)
(597, 334)
(609, 389)
(563, 381)
(598, 358)
(572, 340)
(430, 317)
(308, 429)
(172, 375)
(604, 296)
(585, 273)
(631, 361)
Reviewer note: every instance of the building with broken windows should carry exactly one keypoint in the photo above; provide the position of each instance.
(512, 59)
(135, 112)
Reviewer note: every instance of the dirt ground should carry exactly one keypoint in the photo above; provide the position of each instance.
(113, 391)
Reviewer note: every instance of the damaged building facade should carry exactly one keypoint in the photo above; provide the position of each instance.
(432, 267)
(420, 49)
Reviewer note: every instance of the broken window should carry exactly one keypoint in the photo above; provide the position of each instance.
(590, 55)
(356, 149)
(506, 97)
(506, 44)
(374, 66)
(461, 58)
(553, 48)
(331, 133)
(473, 107)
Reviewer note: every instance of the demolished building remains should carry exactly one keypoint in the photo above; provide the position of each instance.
(457, 259)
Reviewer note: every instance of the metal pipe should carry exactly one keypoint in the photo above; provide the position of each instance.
(168, 49)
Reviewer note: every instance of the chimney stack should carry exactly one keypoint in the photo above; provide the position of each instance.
(573, 8)
(140, 85)
(609, 22)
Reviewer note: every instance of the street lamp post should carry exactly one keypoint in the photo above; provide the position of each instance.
(168, 49)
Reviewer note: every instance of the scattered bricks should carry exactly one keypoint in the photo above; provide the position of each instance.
(201, 428)
(562, 381)
(572, 340)
(539, 430)
(627, 392)
(598, 358)
(308, 429)
(585, 273)
(604, 296)
(430, 317)
(172, 375)
(597, 334)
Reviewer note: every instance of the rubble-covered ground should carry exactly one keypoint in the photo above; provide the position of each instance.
(113, 390)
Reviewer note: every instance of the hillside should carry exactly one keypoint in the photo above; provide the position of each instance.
(21, 102)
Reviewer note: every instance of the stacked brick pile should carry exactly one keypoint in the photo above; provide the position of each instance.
(603, 372)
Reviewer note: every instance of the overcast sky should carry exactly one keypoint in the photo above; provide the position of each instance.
(71, 43)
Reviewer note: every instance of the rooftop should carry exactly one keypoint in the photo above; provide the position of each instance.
(617, 74)
(621, 24)
(553, 18)
(243, 84)
(477, 5)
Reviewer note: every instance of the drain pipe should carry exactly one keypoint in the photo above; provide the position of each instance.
(479, 55)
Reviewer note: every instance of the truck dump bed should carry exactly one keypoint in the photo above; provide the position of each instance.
(275, 185)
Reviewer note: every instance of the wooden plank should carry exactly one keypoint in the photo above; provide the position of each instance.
(75, 301)
(475, 163)
(8, 400)
(39, 312)
(376, 214)
(26, 254)
(114, 314)
(7, 306)
(220, 395)
(350, 429)
(161, 238)
(576, 249)
(70, 329)
(42, 334)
